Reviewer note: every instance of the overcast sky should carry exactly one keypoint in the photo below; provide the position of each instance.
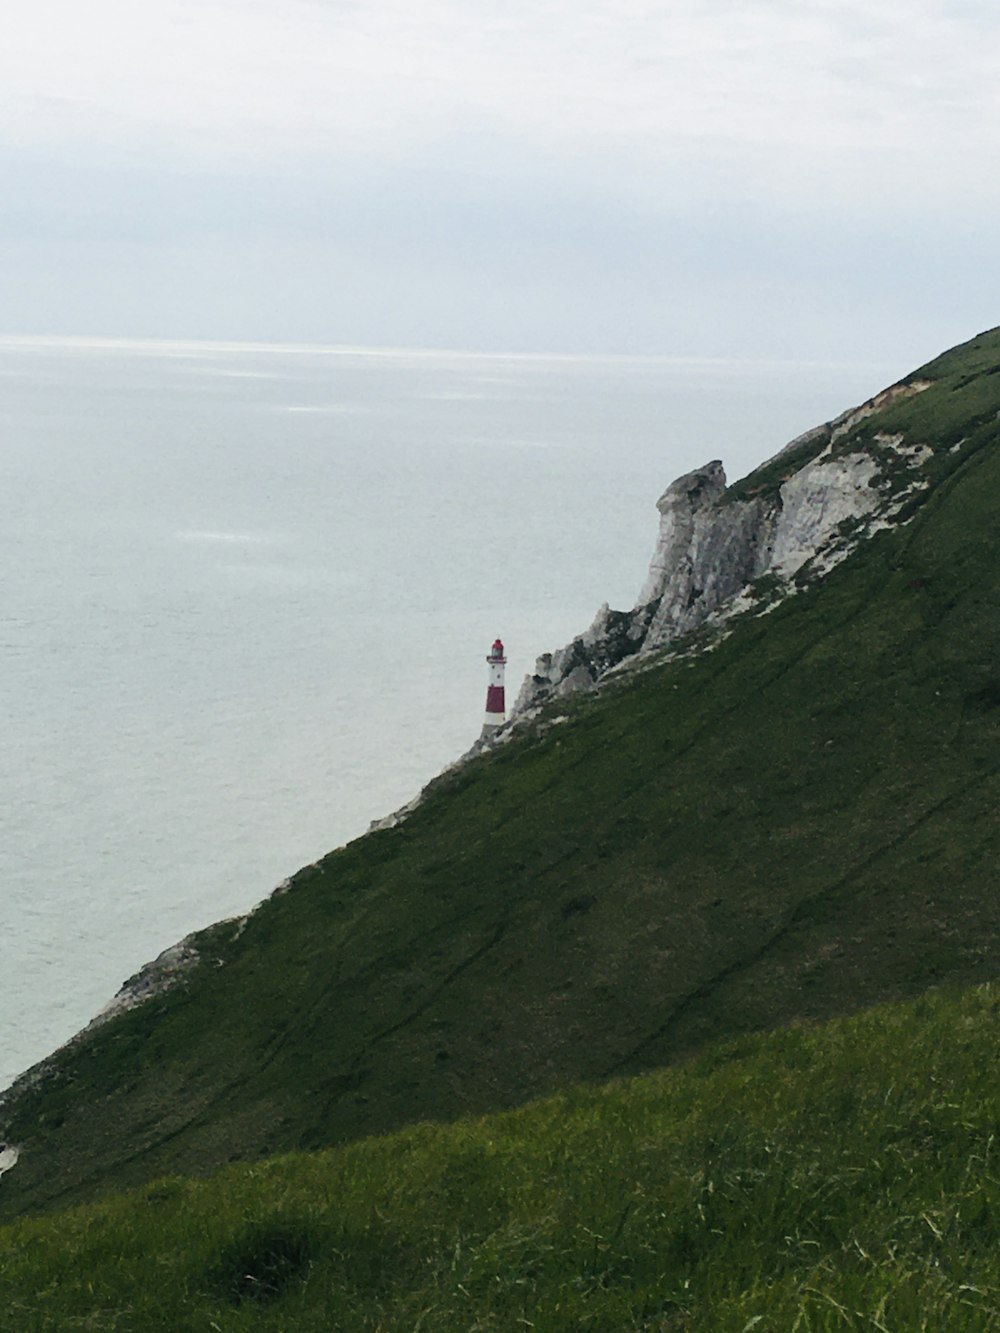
(699, 177)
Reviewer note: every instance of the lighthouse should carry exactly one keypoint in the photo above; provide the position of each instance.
(496, 713)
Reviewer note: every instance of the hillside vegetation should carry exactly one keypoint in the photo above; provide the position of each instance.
(805, 1181)
(799, 823)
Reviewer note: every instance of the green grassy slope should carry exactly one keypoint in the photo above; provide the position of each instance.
(799, 823)
(839, 1178)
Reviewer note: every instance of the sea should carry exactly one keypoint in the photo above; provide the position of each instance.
(248, 591)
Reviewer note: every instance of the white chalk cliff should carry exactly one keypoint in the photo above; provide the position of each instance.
(800, 513)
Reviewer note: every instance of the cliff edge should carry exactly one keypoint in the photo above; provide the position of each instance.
(724, 550)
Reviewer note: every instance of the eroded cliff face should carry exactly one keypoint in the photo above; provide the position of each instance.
(809, 506)
(706, 551)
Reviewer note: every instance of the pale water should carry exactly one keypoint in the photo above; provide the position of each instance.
(248, 591)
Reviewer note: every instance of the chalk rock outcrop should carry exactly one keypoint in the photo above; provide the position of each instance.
(706, 552)
(808, 505)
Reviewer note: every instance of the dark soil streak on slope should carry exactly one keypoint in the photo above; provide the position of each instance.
(632, 1061)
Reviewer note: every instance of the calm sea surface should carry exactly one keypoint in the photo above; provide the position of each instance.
(247, 593)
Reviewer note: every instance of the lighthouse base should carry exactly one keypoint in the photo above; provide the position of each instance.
(492, 723)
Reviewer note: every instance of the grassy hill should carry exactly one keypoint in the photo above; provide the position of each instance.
(813, 1179)
(800, 823)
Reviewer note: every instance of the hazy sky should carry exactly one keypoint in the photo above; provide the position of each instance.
(714, 177)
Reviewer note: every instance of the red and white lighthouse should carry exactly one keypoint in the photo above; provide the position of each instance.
(496, 712)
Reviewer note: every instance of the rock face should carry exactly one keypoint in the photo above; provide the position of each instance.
(706, 552)
(812, 502)
(152, 979)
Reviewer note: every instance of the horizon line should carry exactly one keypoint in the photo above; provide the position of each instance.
(178, 346)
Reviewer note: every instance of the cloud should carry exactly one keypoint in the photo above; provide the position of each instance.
(675, 176)
(250, 77)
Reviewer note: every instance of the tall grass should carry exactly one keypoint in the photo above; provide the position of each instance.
(842, 1177)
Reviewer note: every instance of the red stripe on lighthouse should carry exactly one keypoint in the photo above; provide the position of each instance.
(494, 699)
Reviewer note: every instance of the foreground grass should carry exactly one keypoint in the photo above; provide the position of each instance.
(833, 1178)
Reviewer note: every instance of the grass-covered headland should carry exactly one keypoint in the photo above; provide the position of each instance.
(695, 871)
(844, 1177)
